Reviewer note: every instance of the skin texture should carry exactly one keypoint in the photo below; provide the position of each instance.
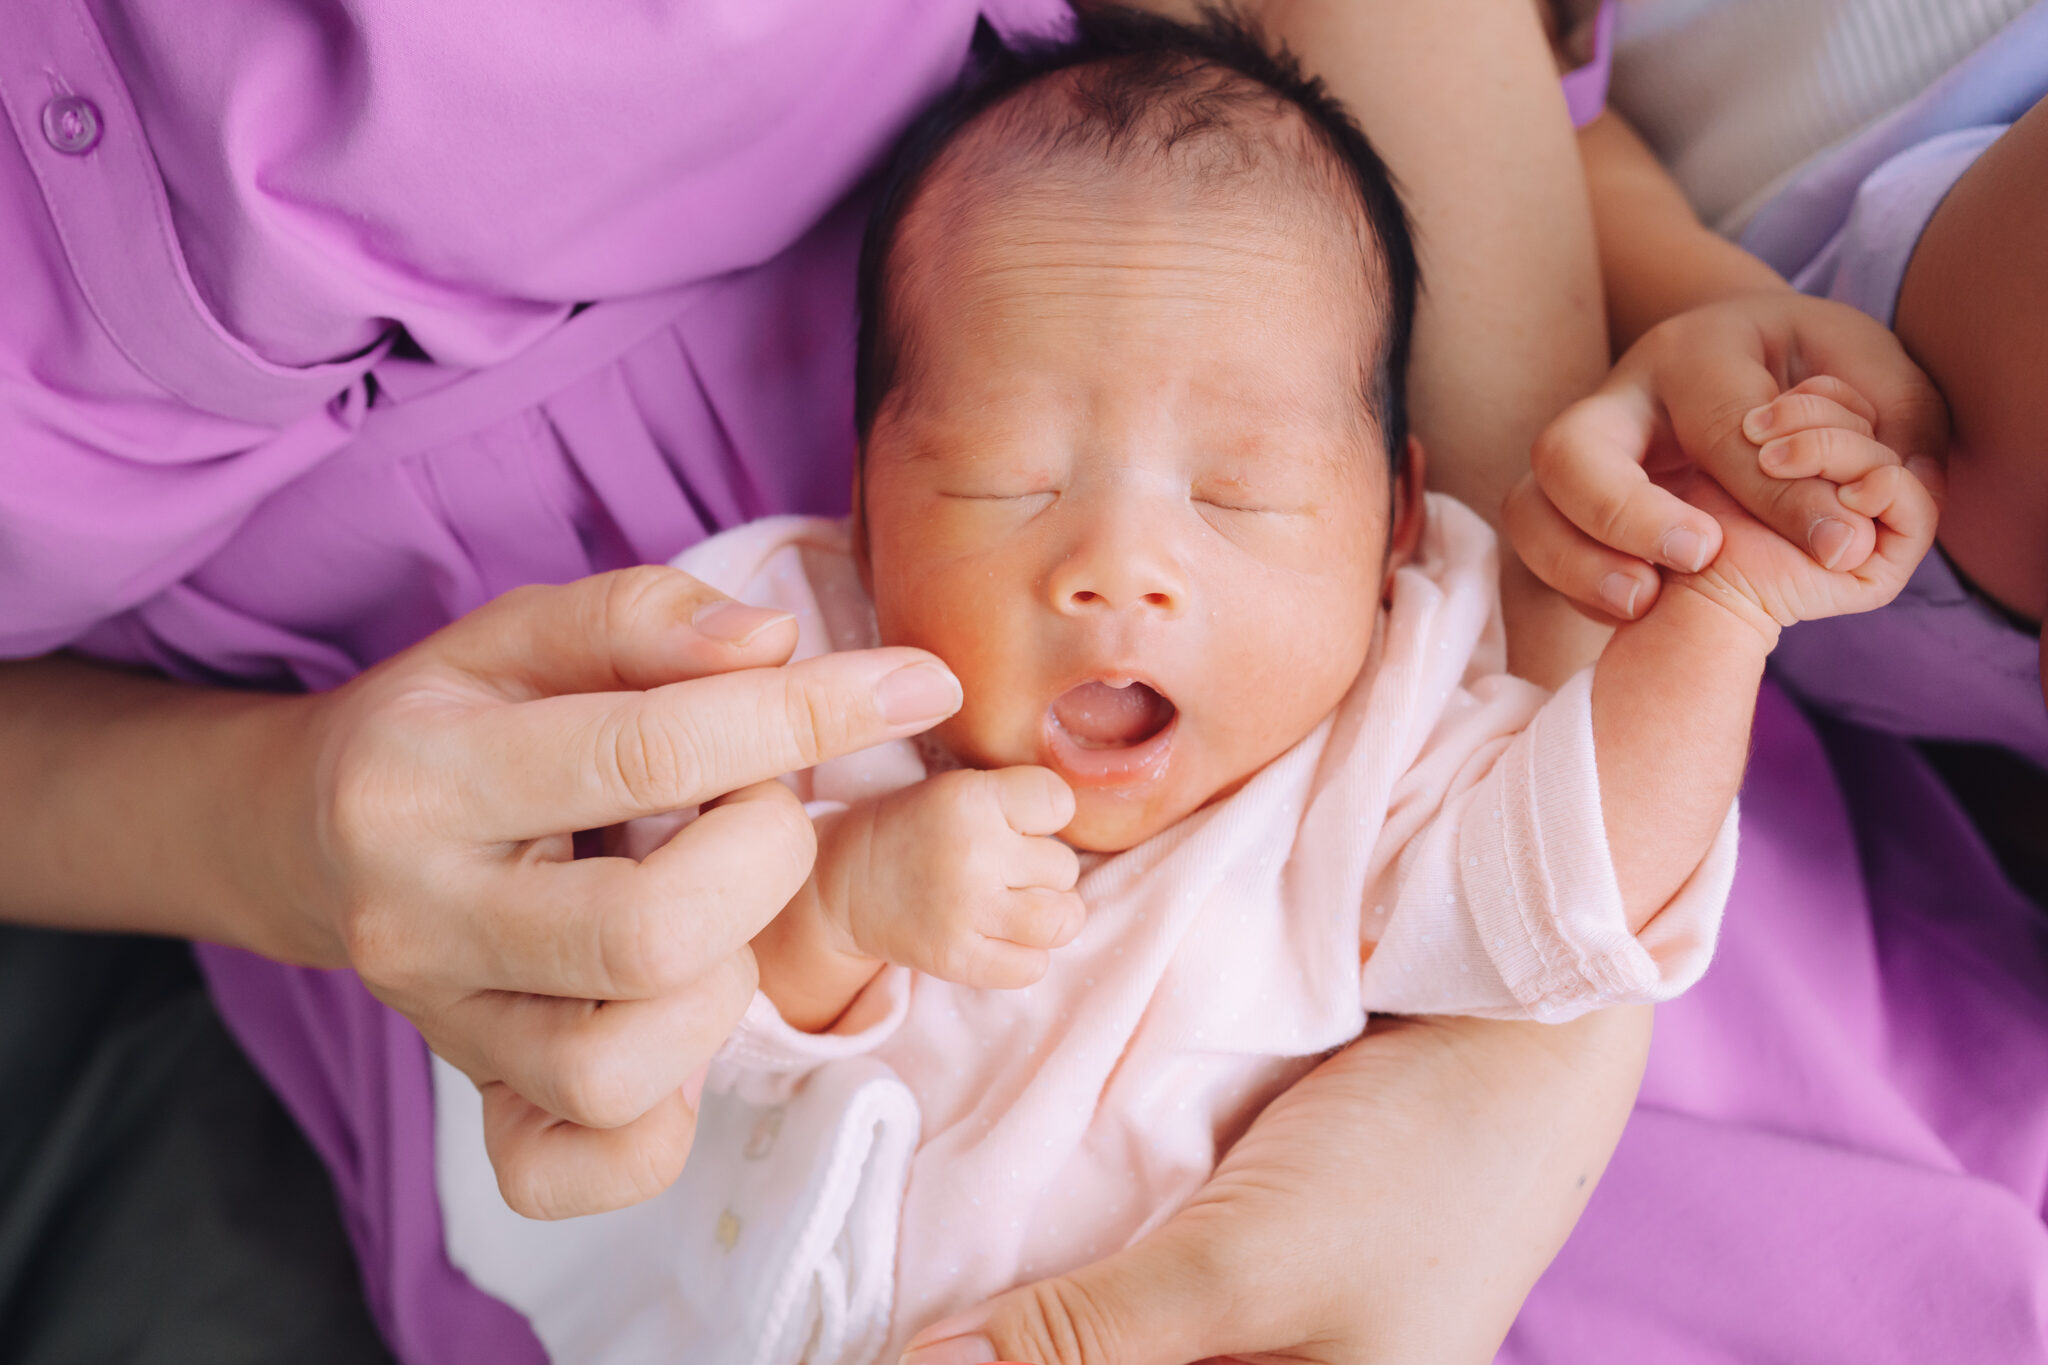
(1118, 463)
(1970, 311)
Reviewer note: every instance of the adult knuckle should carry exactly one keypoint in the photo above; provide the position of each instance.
(650, 759)
(1060, 1322)
(1550, 451)
(627, 595)
(374, 938)
(643, 950)
(811, 719)
(595, 1086)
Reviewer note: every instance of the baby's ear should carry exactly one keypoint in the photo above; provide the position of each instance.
(1410, 513)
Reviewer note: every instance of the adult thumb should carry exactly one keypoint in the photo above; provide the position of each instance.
(1162, 1302)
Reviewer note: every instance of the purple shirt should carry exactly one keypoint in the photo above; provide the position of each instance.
(223, 223)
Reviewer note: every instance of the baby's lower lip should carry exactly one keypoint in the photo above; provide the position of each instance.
(1127, 766)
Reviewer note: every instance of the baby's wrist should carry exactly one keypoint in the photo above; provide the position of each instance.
(1704, 602)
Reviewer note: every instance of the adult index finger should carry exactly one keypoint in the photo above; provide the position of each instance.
(587, 761)
(615, 929)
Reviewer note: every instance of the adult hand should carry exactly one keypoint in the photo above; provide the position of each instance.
(582, 995)
(1395, 1206)
(1701, 389)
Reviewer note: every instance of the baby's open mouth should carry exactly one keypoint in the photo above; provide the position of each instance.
(1099, 715)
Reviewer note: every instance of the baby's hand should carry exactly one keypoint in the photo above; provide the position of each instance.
(1597, 516)
(1820, 429)
(958, 876)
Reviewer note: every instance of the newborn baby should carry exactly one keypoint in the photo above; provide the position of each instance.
(1237, 762)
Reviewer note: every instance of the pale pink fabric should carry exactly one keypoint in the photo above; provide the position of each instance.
(1434, 846)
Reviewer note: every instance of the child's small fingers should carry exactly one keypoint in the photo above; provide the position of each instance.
(1904, 509)
(1038, 918)
(1840, 391)
(1599, 486)
(1032, 800)
(1830, 453)
(1616, 586)
(1041, 861)
(1801, 409)
(994, 964)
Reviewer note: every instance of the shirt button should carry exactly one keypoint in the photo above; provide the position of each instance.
(71, 124)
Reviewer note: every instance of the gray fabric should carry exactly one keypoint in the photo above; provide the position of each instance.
(157, 1205)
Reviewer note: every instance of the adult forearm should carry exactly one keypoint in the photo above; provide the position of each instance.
(129, 803)
(1478, 1143)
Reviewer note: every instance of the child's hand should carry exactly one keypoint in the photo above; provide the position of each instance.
(1598, 514)
(958, 876)
(1820, 429)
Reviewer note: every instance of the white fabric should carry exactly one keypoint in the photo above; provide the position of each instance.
(779, 1246)
(1735, 95)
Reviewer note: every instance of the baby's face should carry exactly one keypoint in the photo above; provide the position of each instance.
(1129, 491)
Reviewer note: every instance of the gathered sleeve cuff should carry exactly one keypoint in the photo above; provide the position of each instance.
(1509, 905)
(766, 1057)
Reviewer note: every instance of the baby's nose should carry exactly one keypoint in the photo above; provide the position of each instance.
(1111, 577)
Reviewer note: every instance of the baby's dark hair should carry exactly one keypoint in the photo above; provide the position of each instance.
(1148, 88)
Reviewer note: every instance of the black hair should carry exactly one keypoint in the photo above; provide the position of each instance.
(1132, 64)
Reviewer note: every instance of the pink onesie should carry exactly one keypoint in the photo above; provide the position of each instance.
(1433, 846)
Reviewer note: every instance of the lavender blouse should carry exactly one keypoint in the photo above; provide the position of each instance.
(300, 358)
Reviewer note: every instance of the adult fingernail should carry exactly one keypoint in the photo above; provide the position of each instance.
(693, 1088)
(1829, 540)
(1757, 425)
(921, 692)
(1619, 591)
(975, 1350)
(735, 623)
(1681, 549)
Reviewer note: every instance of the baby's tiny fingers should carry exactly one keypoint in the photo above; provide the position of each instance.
(994, 964)
(1836, 454)
(1041, 862)
(1037, 918)
(1903, 508)
(1032, 800)
(1820, 401)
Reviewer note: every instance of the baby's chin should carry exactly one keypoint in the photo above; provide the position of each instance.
(1112, 821)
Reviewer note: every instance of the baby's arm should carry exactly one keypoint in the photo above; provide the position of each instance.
(957, 877)
(1675, 691)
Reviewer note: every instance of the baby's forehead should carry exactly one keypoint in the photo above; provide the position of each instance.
(1193, 141)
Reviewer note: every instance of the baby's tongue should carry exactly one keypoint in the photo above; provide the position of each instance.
(1098, 716)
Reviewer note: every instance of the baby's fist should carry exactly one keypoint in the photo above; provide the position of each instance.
(965, 881)
(1823, 429)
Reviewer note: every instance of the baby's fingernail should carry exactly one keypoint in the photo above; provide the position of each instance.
(1757, 425)
(1681, 549)
(921, 692)
(1619, 591)
(735, 623)
(1774, 455)
(975, 1350)
(693, 1088)
(1829, 540)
